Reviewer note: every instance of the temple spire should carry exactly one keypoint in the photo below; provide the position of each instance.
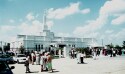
(44, 20)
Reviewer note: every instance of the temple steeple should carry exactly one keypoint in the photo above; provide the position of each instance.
(44, 21)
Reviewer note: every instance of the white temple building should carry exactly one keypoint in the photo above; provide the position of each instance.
(48, 39)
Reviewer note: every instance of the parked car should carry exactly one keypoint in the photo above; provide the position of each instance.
(5, 57)
(10, 53)
(4, 68)
(20, 58)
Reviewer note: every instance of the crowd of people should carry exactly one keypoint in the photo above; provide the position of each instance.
(43, 59)
(94, 52)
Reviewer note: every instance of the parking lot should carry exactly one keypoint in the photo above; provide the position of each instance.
(103, 65)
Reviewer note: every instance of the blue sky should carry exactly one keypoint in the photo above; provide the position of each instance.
(101, 19)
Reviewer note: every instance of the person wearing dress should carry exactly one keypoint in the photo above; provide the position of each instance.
(49, 62)
(42, 61)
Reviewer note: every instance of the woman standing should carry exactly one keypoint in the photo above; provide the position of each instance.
(42, 61)
(49, 62)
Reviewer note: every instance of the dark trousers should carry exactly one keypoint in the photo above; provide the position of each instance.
(27, 69)
(81, 59)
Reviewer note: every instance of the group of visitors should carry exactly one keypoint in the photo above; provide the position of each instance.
(94, 52)
(72, 53)
(43, 59)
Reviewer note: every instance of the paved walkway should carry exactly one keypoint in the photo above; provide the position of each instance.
(103, 65)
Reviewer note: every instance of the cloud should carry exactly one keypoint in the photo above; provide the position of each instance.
(109, 31)
(116, 37)
(6, 28)
(30, 16)
(114, 8)
(119, 20)
(85, 11)
(32, 28)
(9, 33)
(5, 33)
(91, 27)
(11, 21)
(61, 13)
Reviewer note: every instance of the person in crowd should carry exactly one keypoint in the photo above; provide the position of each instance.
(111, 52)
(42, 61)
(72, 53)
(33, 57)
(75, 54)
(37, 58)
(94, 54)
(82, 57)
(98, 52)
(27, 65)
(78, 57)
(49, 62)
(120, 52)
(45, 61)
(114, 53)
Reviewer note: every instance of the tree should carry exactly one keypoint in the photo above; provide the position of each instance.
(110, 46)
(123, 46)
(118, 47)
(6, 47)
(21, 49)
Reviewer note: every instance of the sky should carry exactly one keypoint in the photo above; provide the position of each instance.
(100, 19)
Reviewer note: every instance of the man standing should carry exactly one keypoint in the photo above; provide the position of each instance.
(27, 65)
(82, 57)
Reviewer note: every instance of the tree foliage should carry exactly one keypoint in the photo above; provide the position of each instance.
(21, 49)
(118, 47)
(123, 46)
(6, 47)
(110, 46)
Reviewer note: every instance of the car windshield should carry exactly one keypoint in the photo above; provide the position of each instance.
(20, 55)
(3, 66)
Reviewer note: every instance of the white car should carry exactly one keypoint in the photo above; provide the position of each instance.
(20, 58)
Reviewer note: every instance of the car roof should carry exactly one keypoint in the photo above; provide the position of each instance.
(2, 60)
(20, 54)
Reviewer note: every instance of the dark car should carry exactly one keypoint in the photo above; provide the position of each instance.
(4, 68)
(9, 59)
(10, 53)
